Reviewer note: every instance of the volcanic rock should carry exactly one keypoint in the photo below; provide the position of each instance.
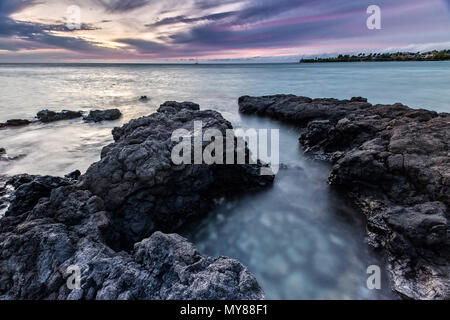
(394, 162)
(103, 115)
(108, 224)
(47, 116)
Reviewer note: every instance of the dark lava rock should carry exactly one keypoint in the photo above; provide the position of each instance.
(51, 116)
(74, 175)
(30, 189)
(394, 162)
(69, 229)
(146, 191)
(103, 115)
(143, 98)
(15, 123)
(131, 194)
(5, 194)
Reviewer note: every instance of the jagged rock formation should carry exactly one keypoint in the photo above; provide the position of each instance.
(147, 192)
(5, 193)
(103, 115)
(47, 116)
(15, 123)
(394, 162)
(108, 222)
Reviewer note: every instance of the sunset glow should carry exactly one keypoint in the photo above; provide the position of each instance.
(175, 30)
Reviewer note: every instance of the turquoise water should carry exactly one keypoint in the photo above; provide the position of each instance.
(298, 238)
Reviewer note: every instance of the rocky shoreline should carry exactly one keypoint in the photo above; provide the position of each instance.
(48, 116)
(394, 163)
(113, 221)
(116, 222)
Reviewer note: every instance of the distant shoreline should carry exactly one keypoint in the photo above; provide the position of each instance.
(443, 55)
(137, 64)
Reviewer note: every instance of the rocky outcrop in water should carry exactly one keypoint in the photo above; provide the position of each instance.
(107, 222)
(4, 157)
(15, 123)
(394, 162)
(139, 182)
(3, 154)
(103, 115)
(47, 116)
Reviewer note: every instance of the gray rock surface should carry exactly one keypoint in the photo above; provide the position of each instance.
(47, 116)
(103, 115)
(5, 194)
(394, 162)
(109, 222)
(146, 191)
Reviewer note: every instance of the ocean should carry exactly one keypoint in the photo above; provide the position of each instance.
(300, 239)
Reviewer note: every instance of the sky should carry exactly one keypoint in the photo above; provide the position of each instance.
(214, 30)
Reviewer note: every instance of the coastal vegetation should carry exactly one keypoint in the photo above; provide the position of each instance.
(378, 57)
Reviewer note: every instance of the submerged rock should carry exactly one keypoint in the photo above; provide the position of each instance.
(103, 115)
(5, 158)
(47, 116)
(123, 202)
(394, 162)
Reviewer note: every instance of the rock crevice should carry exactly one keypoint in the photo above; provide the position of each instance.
(394, 162)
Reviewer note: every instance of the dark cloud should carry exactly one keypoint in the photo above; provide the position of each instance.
(17, 44)
(143, 46)
(184, 19)
(282, 23)
(16, 35)
(122, 5)
(208, 4)
(8, 7)
(26, 35)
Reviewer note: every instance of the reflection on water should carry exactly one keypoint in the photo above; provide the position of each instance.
(298, 238)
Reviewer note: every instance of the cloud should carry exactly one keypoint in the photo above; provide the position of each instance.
(296, 23)
(27, 35)
(8, 7)
(218, 28)
(21, 35)
(144, 46)
(122, 5)
(184, 19)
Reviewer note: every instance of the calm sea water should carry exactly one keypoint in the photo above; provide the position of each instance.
(298, 238)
